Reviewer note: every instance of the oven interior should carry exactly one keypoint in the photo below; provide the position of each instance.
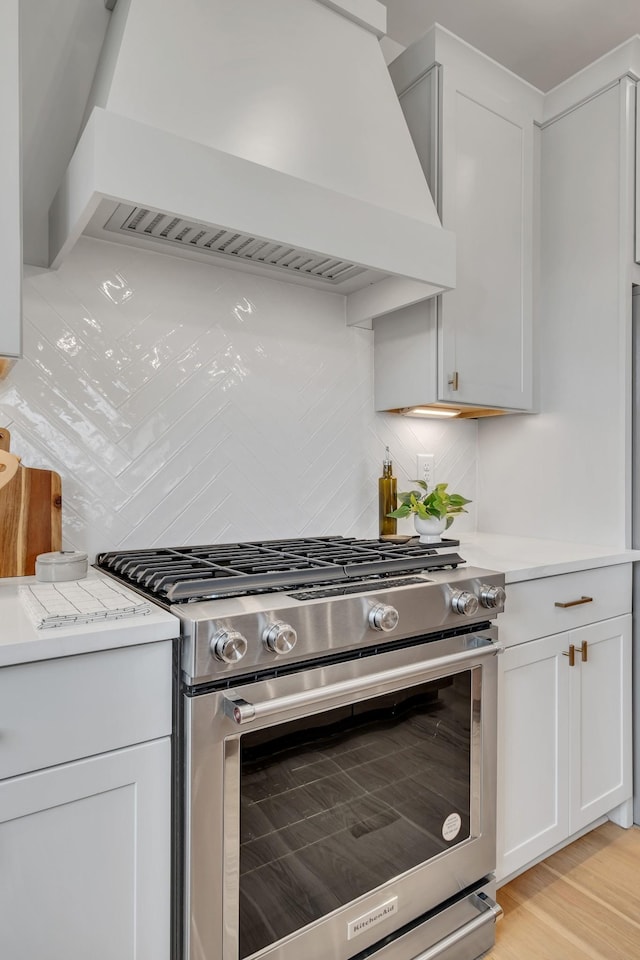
(337, 804)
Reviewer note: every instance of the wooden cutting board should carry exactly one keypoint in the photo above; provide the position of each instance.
(30, 517)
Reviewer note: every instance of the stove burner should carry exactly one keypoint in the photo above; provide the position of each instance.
(183, 574)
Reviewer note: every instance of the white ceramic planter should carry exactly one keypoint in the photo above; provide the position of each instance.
(431, 529)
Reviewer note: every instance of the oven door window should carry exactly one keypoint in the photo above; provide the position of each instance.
(336, 804)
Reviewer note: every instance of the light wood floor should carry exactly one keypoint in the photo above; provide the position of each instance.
(583, 903)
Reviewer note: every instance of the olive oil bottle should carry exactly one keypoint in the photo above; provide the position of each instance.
(387, 497)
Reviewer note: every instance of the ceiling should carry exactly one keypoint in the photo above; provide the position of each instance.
(544, 41)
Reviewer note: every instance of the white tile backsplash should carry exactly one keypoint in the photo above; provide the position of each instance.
(183, 403)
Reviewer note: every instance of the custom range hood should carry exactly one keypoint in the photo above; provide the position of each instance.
(264, 134)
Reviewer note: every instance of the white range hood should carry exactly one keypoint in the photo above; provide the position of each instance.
(261, 134)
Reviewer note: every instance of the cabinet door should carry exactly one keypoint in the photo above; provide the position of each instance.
(637, 230)
(85, 859)
(600, 718)
(485, 323)
(10, 196)
(532, 751)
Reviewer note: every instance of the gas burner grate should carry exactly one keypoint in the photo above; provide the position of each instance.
(182, 574)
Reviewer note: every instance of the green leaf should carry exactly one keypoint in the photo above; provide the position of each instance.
(422, 511)
(437, 503)
(406, 496)
(457, 501)
(401, 512)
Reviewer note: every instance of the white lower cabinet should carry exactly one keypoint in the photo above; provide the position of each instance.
(533, 746)
(564, 739)
(600, 767)
(85, 806)
(85, 858)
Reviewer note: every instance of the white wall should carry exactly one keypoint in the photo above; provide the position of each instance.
(186, 403)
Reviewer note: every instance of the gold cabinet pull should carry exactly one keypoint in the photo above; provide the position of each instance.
(573, 603)
(583, 651)
(571, 653)
(453, 380)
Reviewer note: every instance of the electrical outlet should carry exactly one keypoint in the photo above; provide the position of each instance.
(426, 467)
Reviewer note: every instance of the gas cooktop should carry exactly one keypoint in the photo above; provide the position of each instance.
(272, 605)
(182, 574)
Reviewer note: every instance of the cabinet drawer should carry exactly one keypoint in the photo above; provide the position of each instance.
(531, 611)
(58, 710)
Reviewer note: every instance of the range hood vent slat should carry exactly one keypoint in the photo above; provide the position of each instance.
(221, 243)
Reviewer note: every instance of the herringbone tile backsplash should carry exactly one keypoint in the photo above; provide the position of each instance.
(185, 403)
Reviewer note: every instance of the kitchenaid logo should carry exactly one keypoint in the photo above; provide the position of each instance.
(361, 924)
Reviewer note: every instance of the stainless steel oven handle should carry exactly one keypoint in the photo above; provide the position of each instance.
(241, 711)
(491, 912)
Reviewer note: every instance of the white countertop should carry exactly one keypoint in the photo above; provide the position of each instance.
(524, 558)
(21, 642)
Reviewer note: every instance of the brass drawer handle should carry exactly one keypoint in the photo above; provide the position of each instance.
(583, 651)
(573, 603)
(571, 653)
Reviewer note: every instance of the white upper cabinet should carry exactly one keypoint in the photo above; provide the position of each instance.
(473, 128)
(10, 191)
(487, 199)
(637, 182)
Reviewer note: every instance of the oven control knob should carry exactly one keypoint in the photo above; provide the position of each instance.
(383, 617)
(464, 602)
(229, 645)
(491, 596)
(280, 637)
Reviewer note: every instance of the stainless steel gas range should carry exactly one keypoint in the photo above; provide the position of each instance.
(338, 732)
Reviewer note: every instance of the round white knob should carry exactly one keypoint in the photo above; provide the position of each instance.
(491, 596)
(229, 645)
(280, 637)
(383, 617)
(464, 603)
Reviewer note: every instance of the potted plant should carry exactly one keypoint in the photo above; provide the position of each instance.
(433, 512)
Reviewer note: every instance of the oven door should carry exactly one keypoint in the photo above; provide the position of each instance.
(330, 807)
